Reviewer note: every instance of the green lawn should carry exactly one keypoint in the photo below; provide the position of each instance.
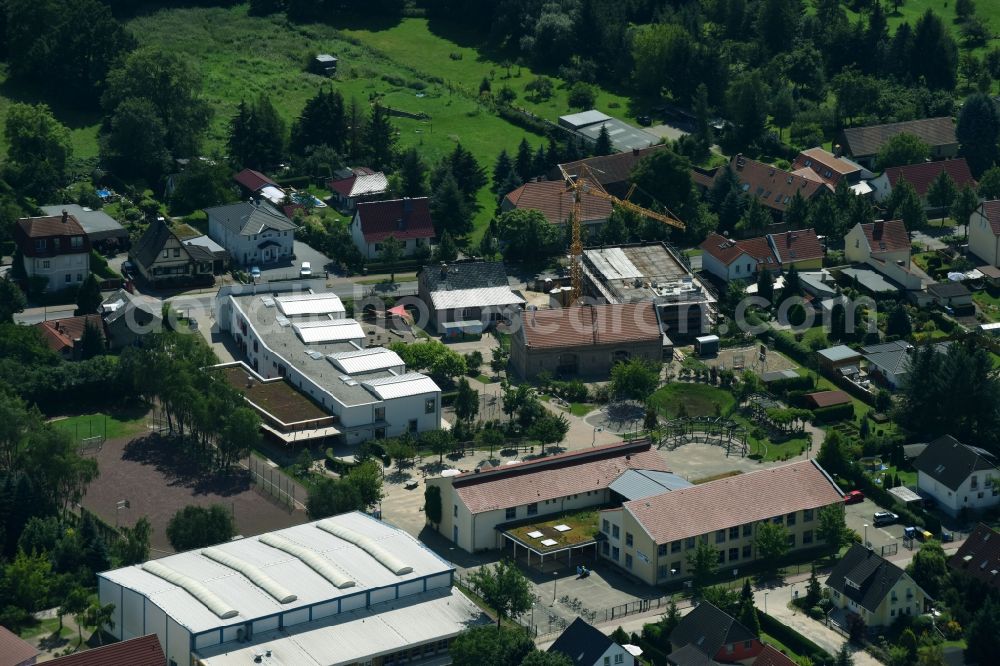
(698, 400)
(988, 303)
(112, 426)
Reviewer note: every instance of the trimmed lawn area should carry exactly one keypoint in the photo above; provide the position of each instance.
(583, 528)
(698, 400)
(112, 426)
(989, 303)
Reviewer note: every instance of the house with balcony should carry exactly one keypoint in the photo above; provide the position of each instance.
(54, 249)
(162, 259)
(958, 476)
(253, 232)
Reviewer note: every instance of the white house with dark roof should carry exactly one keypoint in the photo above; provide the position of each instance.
(343, 590)
(866, 585)
(958, 476)
(888, 362)
(253, 232)
(984, 232)
(586, 645)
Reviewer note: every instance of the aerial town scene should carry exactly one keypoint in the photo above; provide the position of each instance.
(524, 332)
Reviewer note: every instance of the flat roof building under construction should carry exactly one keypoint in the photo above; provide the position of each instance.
(334, 591)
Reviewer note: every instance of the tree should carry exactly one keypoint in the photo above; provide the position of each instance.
(490, 438)
(412, 174)
(748, 615)
(463, 167)
(134, 548)
(581, 96)
(256, 135)
(666, 177)
(935, 54)
(27, 581)
(449, 208)
(197, 527)
(747, 101)
(439, 442)
(98, 616)
(832, 528)
(12, 300)
(527, 235)
(390, 254)
(466, 401)
(844, 657)
(522, 162)
(89, 297)
(635, 379)
(202, 184)
(446, 249)
(755, 219)
(978, 132)
(964, 9)
(942, 191)
(813, 590)
(603, 144)
(432, 504)
(543, 658)
(549, 429)
(322, 122)
(75, 603)
(136, 142)
(503, 588)
(484, 645)
(771, 542)
(329, 497)
(701, 564)
(902, 149)
(905, 203)
(503, 173)
(380, 139)
(982, 638)
(401, 450)
(898, 323)
(38, 149)
(989, 184)
(929, 568)
(783, 109)
(765, 285)
(170, 87)
(91, 341)
(964, 205)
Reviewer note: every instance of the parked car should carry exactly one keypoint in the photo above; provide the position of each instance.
(128, 270)
(854, 497)
(255, 272)
(884, 518)
(946, 536)
(306, 270)
(645, 121)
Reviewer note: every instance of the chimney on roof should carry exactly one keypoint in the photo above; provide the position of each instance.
(837, 150)
(65, 216)
(740, 162)
(635, 151)
(444, 270)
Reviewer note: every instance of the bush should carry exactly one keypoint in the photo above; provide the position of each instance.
(835, 413)
(804, 383)
(792, 639)
(581, 95)
(816, 613)
(473, 360)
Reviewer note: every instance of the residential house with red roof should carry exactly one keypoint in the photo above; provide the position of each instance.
(921, 176)
(63, 336)
(586, 340)
(55, 249)
(555, 201)
(353, 186)
(708, 635)
(15, 651)
(830, 169)
(771, 186)
(251, 182)
(407, 220)
(885, 247)
(984, 233)
(729, 259)
(657, 533)
(476, 505)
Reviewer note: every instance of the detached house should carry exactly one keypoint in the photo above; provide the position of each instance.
(162, 259)
(407, 220)
(253, 232)
(585, 645)
(612, 172)
(885, 247)
(984, 233)
(352, 186)
(63, 336)
(876, 590)
(467, 295)
(555, 201)
(708, 635)
(741, 259)
(55, 248)
(979, 556)
(958, 476)
(771, 186)
(818, 163)
(921, 176)
(863, 143)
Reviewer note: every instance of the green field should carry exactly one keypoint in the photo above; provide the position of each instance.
(112, 426)
(698, 400)
(910, 11)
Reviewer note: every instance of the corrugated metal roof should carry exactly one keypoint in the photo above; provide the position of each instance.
(333, 330)
(357, 636)
(636, 484)
(300, 304)
(472, 298)
(252, 602)
(400, 386)
(366, 360)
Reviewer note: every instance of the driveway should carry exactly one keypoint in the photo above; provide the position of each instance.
(861, 514)
(283, 271)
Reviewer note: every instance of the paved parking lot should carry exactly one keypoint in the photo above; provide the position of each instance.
(320, 264)
(862, 513)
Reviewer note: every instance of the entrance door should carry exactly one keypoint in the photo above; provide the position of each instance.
(454, 533)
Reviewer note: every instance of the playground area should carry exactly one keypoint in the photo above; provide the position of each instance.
(750, 358)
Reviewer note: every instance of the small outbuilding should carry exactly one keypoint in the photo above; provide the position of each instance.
(706, 345)
(324, 64)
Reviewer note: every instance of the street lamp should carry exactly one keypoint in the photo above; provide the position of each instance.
(866, 535)
(765, 603)
(597, 429)
(555, 585)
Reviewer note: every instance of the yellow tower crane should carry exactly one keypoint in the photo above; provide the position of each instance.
(580, 186)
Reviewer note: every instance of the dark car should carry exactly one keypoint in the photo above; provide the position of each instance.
(854, 497)
(645, 121)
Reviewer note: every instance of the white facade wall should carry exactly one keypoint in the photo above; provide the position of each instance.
(244, 250)
(985, 495)
(743, 268)
(136, 616)
(982, 242)
(615, 655)
(62, 270)
(856, 247)
(373, 250)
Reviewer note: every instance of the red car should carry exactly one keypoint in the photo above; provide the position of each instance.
(854, 497)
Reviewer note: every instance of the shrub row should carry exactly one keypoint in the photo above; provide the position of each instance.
(803, 383)
(789, 346)
(834, 413)
(793, 640)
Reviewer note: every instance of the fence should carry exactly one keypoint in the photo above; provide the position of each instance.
(272, 482)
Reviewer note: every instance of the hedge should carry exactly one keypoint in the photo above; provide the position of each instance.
(835, 413)
(789, 346)
(803, 383)
(793, 640)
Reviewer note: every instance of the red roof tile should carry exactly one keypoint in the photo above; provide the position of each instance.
(922, 175)
(828, 398)
(400, 218)
(610, 169)
(991, 210)
(554, 476)
(52, 225)
(13, 649)
(142, 651)
(253, 180)
(793, 246)
(888, 236)
(771, 656)
(59, 334)
(736, 500)
(772, 186)
(555, 201)
(727, 251)
(827, 166)
(588, 325)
